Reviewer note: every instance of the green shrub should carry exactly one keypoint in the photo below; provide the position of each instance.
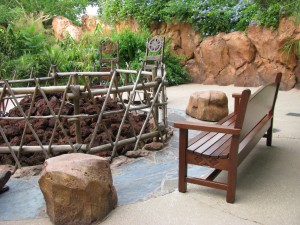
(27, 51)
(132, 47)
(271, 17)
(76, 56)
(22, 50)
(145, 12)
(207, 16)
(176, 74)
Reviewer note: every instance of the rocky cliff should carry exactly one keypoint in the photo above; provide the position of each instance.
(249, 58)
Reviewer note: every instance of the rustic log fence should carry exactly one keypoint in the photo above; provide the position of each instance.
(129, 89)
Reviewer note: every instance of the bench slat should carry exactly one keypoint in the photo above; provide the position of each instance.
(212, 151)
(214, 140)
(203, 140)
(223, 151)
(197, 137)
(227, 121)
(204, 145)
(219, 151)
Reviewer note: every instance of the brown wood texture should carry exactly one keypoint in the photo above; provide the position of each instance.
(223, 146)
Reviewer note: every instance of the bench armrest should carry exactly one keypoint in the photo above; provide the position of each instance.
(206, 127)
(234, 95)
(237, 97)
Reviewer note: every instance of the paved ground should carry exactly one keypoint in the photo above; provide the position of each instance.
(267, 191)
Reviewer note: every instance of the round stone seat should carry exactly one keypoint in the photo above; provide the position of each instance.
(208, 105)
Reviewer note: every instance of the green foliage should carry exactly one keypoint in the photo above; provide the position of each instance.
(207, 16)
(68, 8)
(22, 49)
(26, 51)
(131, 47)
(271, 17)
(8, 13)
(70, 55)
(291, 46)
(175, 73)
(30, 41)
(7, 41)
(145, 12)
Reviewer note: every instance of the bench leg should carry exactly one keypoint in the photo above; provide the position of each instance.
(269, 134)
(231, 188)
(183, 141)
(182, 185)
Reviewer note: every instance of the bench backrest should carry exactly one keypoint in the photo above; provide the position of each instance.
(255, 107)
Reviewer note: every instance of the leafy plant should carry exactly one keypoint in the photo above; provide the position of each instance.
(207, 16)
(8, 13)
(70, 55)
(68, 8)
(176, 74)
(292, 46)
(145, 12)
(23, 48)
(131, 46)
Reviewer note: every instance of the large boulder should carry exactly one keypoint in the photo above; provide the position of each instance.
(214, 55)
(226, 76)
(241, 50)
(62, 26)
(196, 70)
(59, 25)
(269, 45)
(77, 188)
(129, 24)
(75, 32)
(89, 23)
(183, 38)
(208, 105)
(246, 76)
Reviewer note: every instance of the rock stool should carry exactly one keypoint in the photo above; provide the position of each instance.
(77, 188)
(208, 105)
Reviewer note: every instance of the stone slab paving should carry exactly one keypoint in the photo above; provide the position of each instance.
(24, 200)
(138, 180)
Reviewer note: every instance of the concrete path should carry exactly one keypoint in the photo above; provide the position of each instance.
(267, 191)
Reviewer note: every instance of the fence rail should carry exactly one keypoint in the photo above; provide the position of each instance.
(134, 93)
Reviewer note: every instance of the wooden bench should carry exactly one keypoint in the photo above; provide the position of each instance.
(223, 146)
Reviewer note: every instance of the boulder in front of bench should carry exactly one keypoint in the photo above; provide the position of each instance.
(208, 105)
(77, 188)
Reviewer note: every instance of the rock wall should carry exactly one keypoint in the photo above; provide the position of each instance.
(249, 58)
(62, 26)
